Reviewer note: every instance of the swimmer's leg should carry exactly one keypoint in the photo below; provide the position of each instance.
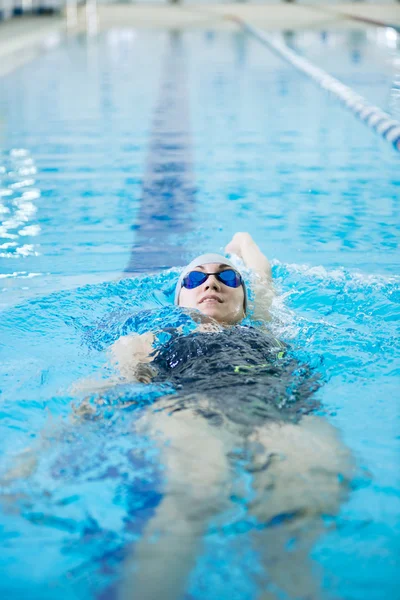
(303, 476)
(289, 571)
(197, 484)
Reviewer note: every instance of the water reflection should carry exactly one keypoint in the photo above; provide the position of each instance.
(394, 101)
(17, 204)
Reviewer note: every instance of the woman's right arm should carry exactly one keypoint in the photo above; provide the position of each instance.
(130, 352)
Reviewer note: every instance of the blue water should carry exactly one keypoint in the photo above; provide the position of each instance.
(121, 158)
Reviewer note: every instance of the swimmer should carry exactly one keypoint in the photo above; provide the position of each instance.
(239, 397)
(242, 408)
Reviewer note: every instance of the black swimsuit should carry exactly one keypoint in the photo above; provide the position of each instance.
(245, 373)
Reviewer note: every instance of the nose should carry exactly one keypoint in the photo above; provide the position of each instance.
(212, 283)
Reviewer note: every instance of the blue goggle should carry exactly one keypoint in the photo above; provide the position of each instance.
(228, 277)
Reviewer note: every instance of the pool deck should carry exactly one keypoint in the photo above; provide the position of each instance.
(267, 16)
(23, 38)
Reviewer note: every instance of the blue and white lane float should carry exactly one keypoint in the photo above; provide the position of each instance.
(376, 119)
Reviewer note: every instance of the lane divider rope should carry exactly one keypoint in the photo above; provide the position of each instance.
(374, 117)
(360, 19)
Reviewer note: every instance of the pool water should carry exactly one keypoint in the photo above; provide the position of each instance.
(121, 158)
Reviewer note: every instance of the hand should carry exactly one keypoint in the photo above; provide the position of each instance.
(236, 244)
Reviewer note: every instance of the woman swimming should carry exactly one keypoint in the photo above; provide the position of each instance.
(239, 398)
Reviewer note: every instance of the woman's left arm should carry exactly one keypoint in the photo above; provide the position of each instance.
(243, 245)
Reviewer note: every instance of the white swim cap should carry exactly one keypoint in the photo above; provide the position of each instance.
(205, 259)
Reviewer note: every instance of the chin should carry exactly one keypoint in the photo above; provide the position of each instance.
(212, 311)
(219, 316)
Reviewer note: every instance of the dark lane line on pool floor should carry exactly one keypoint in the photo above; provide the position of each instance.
(168, 190)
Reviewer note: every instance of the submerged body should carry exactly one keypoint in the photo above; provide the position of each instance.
(233, 435)
(240, 406)
(240, 399)
(246, 374)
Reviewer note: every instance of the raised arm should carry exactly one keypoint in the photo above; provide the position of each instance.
(243, 245)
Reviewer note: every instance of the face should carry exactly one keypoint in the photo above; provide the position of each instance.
(213, 298)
